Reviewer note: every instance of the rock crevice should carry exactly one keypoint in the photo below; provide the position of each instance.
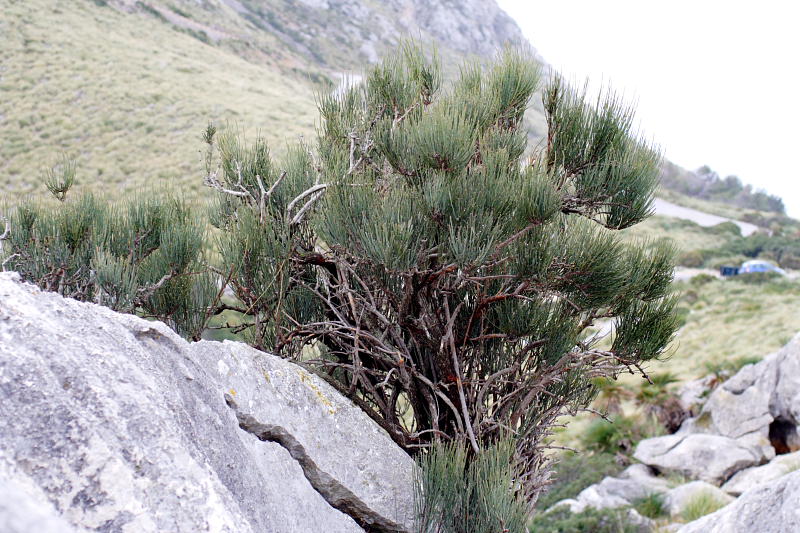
(336, 494)
(111, 422)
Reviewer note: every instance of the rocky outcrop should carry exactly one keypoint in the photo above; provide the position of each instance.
(677, 499)
(740, 439)
(759, 475)
(110, 422)
(770, 508)
(710, 458)
(746, 421)
(693, 394)
(636, 481)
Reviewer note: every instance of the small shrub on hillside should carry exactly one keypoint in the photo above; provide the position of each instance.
(620, 434)
(701, 279)
(573, 472)
(757, 278)
(561, 520)
(651, 506)
(700, 505)
(726, 228)
(692, 259)
(143, 255)
(660, 403)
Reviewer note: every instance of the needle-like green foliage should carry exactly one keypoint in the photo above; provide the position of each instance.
(458, 493)
(428, 264)
(142, 255)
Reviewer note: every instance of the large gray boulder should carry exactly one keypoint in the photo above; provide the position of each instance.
(20, 512)
(770, 508)
(745, 422)
(115, 423)
(710, 458)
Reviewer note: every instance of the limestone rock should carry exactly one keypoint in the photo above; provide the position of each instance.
(632, 516)
(676, 499)
(785, 403)
(769, 508)
(693, 394)
(758, 475)
(711, 458)
(22, 513)
(119, 424)
(745, 421)
(635, 482)
(645, 476)
(351, 461)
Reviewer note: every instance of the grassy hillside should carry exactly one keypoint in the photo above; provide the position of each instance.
(127, 95)
(125, 86)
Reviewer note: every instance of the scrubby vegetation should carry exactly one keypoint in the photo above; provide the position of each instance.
(413, 254)
(573, 472)
(144, 254)
(700, 505)
(414, 258)
(651, 506)
(562, 520)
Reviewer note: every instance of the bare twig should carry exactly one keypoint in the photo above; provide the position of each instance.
(300, 214)
(4, 236)
(7, 259)
(309, 191)
(275, 185)
(7, 230)
(262, 200)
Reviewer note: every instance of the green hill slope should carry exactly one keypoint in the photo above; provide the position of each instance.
(126, 86)
(126, 95)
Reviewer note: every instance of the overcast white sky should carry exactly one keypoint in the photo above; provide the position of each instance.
(717, 82)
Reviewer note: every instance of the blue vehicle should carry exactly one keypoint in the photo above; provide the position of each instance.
(757, 265)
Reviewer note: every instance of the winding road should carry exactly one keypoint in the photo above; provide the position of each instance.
(668, 209)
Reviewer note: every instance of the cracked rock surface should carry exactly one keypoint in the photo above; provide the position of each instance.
(736, 428)
(112, 423)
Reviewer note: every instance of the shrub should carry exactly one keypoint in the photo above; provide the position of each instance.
(561, 520)
(700, 505)
(457, 495)
(142, 255)
(651, 506)
(701, 279)
(443, 278)
(692, 259)
(573, 472)
(758, 278)
(621, 434)
(614, 436)
(727, 228)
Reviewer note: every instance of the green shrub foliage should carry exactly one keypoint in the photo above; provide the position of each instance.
(143, 255)
(436, 269)
(459, 495)
(591, 520)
